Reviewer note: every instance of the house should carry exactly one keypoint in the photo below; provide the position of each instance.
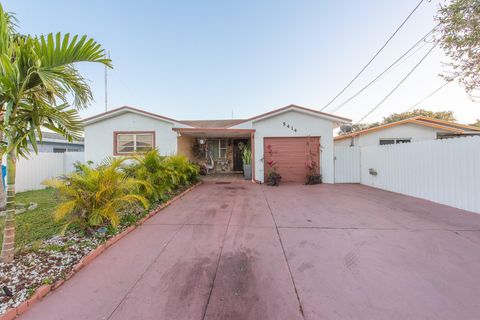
(409, 130)
(290, 136)
(54, 142)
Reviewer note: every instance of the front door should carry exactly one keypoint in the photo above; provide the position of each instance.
(238, 146)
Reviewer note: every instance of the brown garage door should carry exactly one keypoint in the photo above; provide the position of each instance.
(291, 156)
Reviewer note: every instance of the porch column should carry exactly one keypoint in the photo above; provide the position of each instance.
(252, 147)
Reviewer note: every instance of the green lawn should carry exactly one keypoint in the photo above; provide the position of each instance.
(37, 224)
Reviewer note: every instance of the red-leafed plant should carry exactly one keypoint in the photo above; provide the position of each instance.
(273, 177)
(311, 166)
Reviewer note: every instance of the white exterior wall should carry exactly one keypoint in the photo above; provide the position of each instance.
(407, 130)
(306, 125)
(99, 135)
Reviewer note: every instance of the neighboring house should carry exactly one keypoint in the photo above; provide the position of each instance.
(404, 131)
(290, 135)
(54, 142)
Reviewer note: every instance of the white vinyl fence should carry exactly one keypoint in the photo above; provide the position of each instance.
(347, 164)
(31, 172)
(445, 171)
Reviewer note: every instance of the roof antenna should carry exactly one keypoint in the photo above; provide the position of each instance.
(232, 113)
(107, 54)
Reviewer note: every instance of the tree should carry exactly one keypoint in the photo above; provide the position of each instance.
(459, 36)
(394, 117)
(40, 87)
(440, 115)
(476, 124)
(10, 24)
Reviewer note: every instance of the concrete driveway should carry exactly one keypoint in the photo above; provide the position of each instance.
(245, 251)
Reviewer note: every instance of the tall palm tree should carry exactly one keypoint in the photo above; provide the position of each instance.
(40, 87)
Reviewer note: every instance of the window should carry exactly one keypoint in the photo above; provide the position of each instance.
(223, 148)
(133, 142)
(217, 148)
(394, 141)
(59, 150)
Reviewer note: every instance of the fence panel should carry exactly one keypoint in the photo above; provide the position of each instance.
(445, 171)
(32, 171)
(71, 158)
(347, 164)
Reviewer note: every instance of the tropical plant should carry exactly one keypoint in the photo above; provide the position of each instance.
(95, 196)
(247, 156)
(38, 83)
(186, 172)
(164, 174)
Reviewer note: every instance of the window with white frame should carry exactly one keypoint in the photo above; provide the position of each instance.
(217, 148)
(134, 142)
(394, 141)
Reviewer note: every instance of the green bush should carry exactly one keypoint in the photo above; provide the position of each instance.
(164, 174)
(95, 196)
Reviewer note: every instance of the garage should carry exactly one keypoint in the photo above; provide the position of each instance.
(290, 156)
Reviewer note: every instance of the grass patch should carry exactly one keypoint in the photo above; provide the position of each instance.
(38, 224)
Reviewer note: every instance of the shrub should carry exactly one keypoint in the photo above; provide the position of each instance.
(164, 174)
(94, 196)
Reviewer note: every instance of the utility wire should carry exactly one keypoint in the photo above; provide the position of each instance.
(399, 84)
(373, 58)
(383, 73)
(428, 96)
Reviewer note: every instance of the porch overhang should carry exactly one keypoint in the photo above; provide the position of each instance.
(215, 132)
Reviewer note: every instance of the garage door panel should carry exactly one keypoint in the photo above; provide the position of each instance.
(291, 156)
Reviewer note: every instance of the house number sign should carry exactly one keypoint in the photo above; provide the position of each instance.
(289, 126)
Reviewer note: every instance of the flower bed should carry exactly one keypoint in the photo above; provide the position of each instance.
(44, 266)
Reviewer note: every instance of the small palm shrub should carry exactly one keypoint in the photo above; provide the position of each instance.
(96, 196)
(186, 172)
(164, 174)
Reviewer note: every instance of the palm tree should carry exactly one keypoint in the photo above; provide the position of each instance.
(38, 83)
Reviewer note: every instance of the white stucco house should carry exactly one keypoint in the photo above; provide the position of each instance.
(290, 136)
(404, 131)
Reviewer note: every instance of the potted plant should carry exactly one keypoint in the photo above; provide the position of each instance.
(313, 177)
(247, 163)
(274, 178)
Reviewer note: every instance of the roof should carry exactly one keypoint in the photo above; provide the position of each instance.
(212, 123)
(302, 109)
(46, 136)
(124, 109)
(448, 126)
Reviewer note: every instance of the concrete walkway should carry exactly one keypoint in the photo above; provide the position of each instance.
(244, 251)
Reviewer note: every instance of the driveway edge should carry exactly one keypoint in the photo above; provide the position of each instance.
(42, 291)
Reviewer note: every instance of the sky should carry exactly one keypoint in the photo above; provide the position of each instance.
(214, 59)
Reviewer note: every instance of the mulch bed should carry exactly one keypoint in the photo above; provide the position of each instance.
(53, 260)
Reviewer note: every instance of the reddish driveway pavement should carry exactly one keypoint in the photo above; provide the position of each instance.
(244, 251)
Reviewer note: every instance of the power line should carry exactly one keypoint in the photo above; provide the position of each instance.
(428, 96)
(384, 72)
(399, 84)
(373, 58)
